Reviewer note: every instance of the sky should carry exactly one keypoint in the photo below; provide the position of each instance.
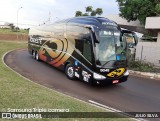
(36, 12)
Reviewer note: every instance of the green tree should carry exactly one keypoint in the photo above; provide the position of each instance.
(85, 14)
(157, 8)
(12, 26)
(99, 11)
(78, 13)
(138, 9)
(89, 9)
(89, 12)
(93, 13)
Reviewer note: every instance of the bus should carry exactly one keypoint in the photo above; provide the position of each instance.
(92, 49)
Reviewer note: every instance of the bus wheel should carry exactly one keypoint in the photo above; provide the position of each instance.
(69, 71)
(36, 56)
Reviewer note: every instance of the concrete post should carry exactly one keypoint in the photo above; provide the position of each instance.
(158, 37)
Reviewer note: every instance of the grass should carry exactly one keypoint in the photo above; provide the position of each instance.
(9, 31)
(142, 66)
(18, 93)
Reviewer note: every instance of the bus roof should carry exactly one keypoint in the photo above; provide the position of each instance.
(89, 20)
(80, 21)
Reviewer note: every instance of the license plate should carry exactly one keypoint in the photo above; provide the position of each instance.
(115, 81)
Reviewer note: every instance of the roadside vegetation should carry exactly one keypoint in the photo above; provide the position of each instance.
(18, 93)
(10, 31)
(143, 66)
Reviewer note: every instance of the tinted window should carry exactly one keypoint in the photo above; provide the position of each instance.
(81, 36)
(87, 50)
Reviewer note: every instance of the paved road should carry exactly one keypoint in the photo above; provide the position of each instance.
(137, 94)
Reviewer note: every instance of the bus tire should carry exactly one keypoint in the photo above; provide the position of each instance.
(36, 56)
(69, 71)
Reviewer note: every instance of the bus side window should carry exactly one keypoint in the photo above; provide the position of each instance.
(87, 50)
(79, 45)
(81, 36)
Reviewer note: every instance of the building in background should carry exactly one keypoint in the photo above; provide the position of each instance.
(150, 51)
(153, 23)
(5, 27)
(132, 25)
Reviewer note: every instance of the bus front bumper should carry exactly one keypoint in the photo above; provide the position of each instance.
(102, 79)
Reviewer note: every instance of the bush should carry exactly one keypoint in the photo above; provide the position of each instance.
(141, 66)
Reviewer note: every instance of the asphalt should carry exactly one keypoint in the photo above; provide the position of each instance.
(138, 94)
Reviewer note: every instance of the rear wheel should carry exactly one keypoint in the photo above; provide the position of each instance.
(69, 71)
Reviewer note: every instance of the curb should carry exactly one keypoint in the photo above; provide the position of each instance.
(147, 74)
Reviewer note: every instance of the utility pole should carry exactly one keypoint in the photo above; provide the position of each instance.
(17, 20)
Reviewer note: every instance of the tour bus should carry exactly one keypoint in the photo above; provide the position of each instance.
(92, 49)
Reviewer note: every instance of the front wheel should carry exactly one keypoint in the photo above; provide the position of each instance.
(69, 71)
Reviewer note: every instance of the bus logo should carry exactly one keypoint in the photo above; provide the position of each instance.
(116, 73)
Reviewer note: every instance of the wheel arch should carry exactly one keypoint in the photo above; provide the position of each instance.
(66, 63)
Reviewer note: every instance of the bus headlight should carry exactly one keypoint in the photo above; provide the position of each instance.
(126, 73)
(98, 76)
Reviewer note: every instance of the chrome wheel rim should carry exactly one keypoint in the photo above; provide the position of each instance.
(70, 72)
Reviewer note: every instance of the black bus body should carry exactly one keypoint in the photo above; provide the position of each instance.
(92, 49)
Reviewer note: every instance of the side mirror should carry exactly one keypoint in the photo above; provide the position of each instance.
(136, 39)
(132, 35)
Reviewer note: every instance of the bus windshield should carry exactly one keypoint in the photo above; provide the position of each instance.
(110, 48)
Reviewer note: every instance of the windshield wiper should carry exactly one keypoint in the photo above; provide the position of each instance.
(105, 64)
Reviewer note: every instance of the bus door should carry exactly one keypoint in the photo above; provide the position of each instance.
(88, 63)
(83, 66)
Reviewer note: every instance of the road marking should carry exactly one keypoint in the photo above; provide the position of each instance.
(89, 102)
(104, 106)
(114, 110)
